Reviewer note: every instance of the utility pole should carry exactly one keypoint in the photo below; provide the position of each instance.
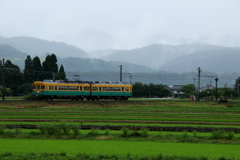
(194, 81)
(199, 71)
(130, 78)
(120, 73)
(3, 79)
(216, 79)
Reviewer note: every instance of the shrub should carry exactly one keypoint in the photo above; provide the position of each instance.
(18, 131)
(2, 127)
(93, 132)
(75, 129)
(107, 131)
(218, 134)
(125, 132)
(144, 132)
(230, 135)
(29, 97)
(65, 128)
(42, 129)
(135, 134)
(53, 130)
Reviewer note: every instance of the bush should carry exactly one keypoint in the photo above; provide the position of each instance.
(75, 129)
(107, 132)
(144, 132)
(135, 134)
(42, 129)
(218, 134)
(29, 97)
(2, 127)
(65, 128)
(93, 132)
(230, 135)
(125, 132)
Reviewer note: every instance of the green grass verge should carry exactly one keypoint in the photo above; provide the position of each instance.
(89, 147)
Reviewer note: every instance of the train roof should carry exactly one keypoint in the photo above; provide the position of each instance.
(83, 82)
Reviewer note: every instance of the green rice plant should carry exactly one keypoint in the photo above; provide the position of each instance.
(75, 129)
(125, 132)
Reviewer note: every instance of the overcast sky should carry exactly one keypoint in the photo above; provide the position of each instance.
(123, 24)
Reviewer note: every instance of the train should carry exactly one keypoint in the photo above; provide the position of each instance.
(80, 90)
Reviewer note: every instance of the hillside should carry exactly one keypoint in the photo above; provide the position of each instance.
(35, 46)
(16, 56)
(224, 60)
(156, 55)
(73, 64)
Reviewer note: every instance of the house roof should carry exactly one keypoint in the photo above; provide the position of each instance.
(176, 87)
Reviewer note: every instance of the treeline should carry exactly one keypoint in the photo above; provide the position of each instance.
(150, 90)
(19, 83)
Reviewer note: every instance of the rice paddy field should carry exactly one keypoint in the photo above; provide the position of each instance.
(143, 114)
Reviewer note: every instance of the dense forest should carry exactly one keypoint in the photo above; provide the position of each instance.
(19, 83)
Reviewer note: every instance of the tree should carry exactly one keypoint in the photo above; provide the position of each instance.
(61, 74)
(13, 77)
(237, 84)
(50, 66)
(188, 89)
(37, 69)
(138, 89)
(28, 75)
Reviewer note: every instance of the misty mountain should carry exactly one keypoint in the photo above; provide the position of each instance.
(101, 53)
(223, 60)
(73, 64)
(38, 47)
(11, 53)
(156, 55)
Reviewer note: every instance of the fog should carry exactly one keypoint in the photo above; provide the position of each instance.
(123, 24)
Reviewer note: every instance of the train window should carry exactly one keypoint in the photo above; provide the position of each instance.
(86, 88)
(56, 88)
(51, 87)
(123, 89)
(94, 88)
(38, 87)
(126, 89)
(100, 88)
(42, 87)
(80, 88)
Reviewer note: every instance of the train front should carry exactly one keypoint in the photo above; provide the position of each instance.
(38, 89)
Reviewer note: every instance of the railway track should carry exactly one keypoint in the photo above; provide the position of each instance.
(107, 101)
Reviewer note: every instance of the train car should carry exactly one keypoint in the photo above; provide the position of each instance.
(80, 90)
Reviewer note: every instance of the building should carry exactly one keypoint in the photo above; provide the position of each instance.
(175, 89)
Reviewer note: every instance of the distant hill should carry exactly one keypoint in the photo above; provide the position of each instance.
(38, 47)
(9, 53)
(224, 60)
(73, 64)
(156, 55)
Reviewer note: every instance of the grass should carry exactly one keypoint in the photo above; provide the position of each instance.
(90, 147)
